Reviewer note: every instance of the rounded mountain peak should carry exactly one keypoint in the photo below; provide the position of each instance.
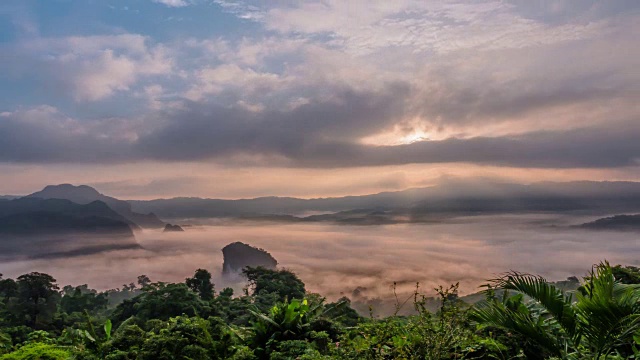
(65, 191)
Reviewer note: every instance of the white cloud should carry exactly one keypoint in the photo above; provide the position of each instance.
(213, 81)
(172, 3)
(241, 9)
(96, 67)
(364, 27)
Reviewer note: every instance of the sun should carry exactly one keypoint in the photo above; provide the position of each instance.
(414, 137)
(396, 137)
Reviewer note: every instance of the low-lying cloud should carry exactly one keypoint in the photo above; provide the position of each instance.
(360, 262)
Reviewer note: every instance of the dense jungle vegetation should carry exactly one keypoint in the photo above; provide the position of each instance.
(522, 317)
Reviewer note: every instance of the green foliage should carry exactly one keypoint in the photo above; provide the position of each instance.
(128, 338)
(342, 312)
(38, 351)
(81, 299)
(35, 302)
(201, 284)
(445, 335)
(626, 274)
(178, 338)
(298, 323)
(601, 321)
(161, 301)
(183, 338)
(5, 343)
(523, 316)
(271, 286)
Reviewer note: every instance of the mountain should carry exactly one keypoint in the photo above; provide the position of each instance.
(173, 228)
(8, 197)
(53, 223)
(239, 255)
(62, 206)
(448, 197)
(36, 228)
(84, 194)
(616, 223)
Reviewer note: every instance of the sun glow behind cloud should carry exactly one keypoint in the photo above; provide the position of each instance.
(405, 133)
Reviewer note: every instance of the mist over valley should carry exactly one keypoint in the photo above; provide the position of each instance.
(359, 253)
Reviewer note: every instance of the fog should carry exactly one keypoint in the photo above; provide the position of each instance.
(335, 260)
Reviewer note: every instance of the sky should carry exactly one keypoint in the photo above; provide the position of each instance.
(219, 98)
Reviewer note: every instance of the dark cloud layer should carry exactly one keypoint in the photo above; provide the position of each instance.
(318, 134)
(584, 148)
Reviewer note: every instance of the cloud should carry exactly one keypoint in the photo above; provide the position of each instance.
(43, 134)
(89, 68)
(362, 27)
(172, 3)
(320, 134)
(335, 260)
(352, 84)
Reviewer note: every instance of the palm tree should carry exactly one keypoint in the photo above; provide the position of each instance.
(292, 320)
(598, 320)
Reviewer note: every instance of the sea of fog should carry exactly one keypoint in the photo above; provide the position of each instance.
(358, 261)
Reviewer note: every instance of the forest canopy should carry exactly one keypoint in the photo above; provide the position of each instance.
(522, 316)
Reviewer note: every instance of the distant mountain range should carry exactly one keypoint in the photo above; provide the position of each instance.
(420, 204)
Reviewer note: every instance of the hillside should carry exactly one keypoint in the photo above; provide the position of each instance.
(63, 207)
(85, 194)
(51, 223)
(36, 228)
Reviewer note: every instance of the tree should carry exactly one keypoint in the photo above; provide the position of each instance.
(8, 288)
(143, 280)
(282, 284)
(627, 274)
(601, 320)
(36, 299)
(189, 338)
(81, 298)
(161, 301)
(201, 284)
(284, 322)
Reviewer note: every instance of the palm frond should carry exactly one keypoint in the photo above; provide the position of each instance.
(496, 314)
(552, 299)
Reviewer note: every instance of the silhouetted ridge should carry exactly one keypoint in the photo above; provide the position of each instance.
(84, 194)
(618, 223)
(419, 204)
(49, 223)
(62, 206)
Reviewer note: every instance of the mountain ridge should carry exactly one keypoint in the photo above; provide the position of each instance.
(451, 196)
(84, 194)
